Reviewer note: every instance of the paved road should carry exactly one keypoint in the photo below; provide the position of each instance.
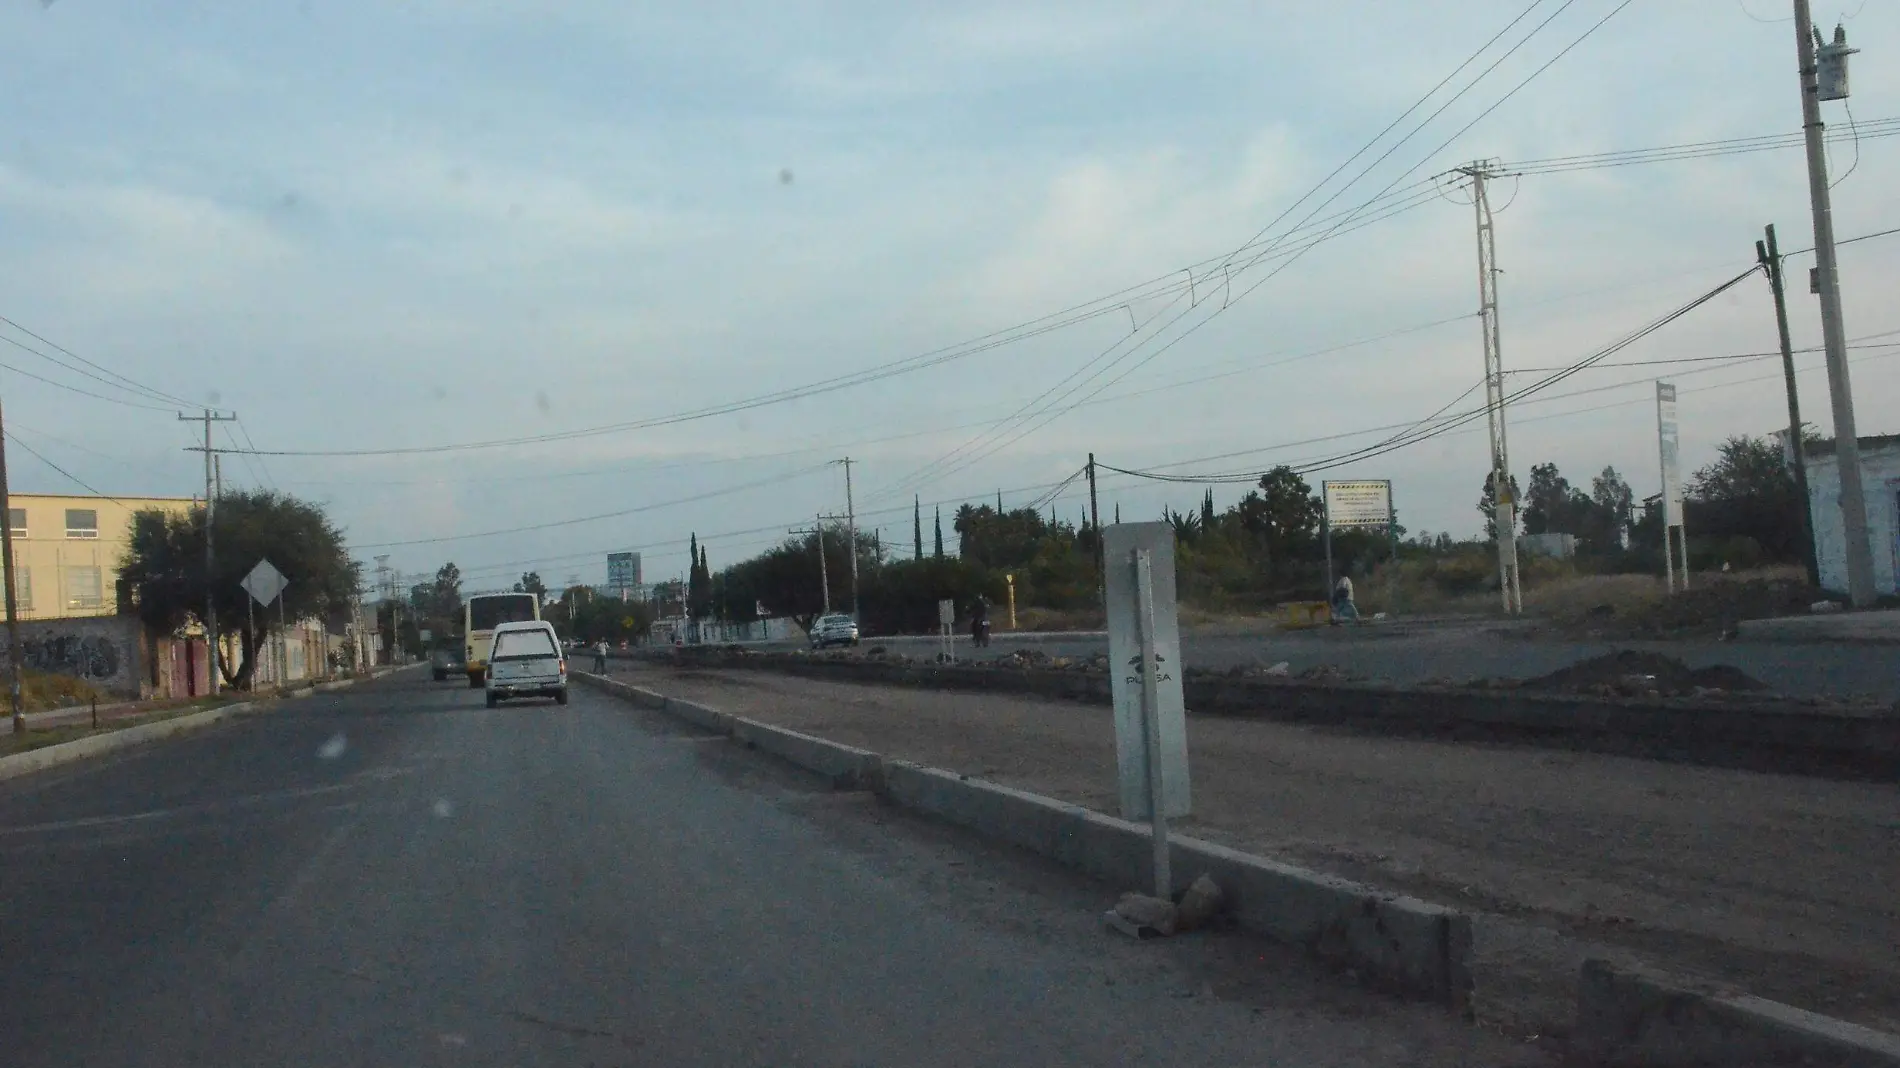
(1413, 654)
(395, 875)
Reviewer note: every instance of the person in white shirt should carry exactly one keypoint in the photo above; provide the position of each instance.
(1343, 606)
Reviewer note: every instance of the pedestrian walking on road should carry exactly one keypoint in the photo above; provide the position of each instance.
(600, 657)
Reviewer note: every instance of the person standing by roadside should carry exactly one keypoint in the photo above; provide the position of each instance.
(1344, 610)
(600, 657)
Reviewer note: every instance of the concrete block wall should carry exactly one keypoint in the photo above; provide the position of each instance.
(105, 651)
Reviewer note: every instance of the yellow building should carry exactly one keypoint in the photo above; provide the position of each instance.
(67, 550)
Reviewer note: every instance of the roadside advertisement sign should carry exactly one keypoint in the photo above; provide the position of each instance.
(1357, 504)
(623, 571)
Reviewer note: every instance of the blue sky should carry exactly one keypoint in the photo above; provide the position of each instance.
(365, 226)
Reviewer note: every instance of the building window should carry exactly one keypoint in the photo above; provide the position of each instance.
(16, 522)
(84, 587)
(82, 523)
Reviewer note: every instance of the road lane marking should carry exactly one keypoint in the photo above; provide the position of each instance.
(181, 810)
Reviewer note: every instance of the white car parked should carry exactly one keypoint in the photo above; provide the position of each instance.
(836, 629)
(526, 661)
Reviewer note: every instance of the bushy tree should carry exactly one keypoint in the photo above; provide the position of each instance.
(164, 567)
(1283, 515)
(1488, 504)
(1748, 493)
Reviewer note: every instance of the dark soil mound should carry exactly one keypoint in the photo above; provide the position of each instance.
(1630, 673)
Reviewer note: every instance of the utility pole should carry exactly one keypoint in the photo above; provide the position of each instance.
(1504, 508)
(1770, 256)
(14, 652)
(212, 656)
(1860, 558)
(824, 575)
(1095, 524)
(851, 534)
(382, 590)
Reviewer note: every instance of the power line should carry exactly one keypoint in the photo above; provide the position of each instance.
(73, 389)
(75, 479)
(654, 506)
(1289, 261)
(123, 383)
(1418, 432)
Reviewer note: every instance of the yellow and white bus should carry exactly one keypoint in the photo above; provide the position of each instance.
(481, 614)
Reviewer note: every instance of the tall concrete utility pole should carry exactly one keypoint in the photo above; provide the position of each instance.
(1769, 254)
(212, 656)
(14, 653)
(1504, 509)
(851, 533)
(1860, 557)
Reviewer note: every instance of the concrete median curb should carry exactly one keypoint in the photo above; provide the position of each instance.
(1787, 736)
(1631, 1017)
(111, 741)
(1398, 943)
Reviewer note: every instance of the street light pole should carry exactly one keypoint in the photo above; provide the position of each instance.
(1853, 503)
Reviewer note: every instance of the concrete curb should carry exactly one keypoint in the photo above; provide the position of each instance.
(847, 768)
(1400, 944)
(100, 744)
(1630, 1017)
(112, 741)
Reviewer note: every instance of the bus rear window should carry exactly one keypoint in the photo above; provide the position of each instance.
(487, 613)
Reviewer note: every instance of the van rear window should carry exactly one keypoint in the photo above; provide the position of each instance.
(518, 644)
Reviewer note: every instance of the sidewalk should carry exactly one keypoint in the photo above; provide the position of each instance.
(1868, 628)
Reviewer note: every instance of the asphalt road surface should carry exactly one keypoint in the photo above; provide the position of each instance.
(394, 875)
(1407, 654)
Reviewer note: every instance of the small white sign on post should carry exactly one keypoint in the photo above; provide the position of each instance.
(1128, 672)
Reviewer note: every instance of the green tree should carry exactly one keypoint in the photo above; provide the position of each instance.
(1488, 505)
(1547, 504)
(1747, 494)
(1283, 515)
(530, 582)
(1612, 513)
(937, 551)
(917, 526)
(163, 567)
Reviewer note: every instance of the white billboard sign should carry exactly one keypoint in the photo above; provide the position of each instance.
(1667, 442)
(1120, 543)
(1357, 504)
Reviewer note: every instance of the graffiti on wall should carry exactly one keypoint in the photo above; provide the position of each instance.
(83, 656)
(105, 652)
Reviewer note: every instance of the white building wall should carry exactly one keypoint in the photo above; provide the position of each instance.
(1880, 483)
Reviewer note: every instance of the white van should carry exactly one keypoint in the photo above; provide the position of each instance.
(525, 660)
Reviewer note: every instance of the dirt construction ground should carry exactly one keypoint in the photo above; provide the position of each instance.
(1785, 886)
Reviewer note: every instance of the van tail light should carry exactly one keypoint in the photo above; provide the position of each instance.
(564, 665)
